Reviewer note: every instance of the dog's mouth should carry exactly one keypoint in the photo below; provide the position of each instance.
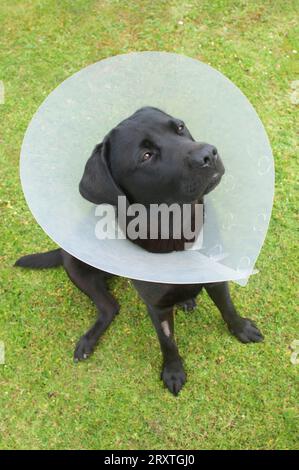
(215, 180)
(194, 190)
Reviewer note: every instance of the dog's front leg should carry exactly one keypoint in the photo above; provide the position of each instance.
(243, 328)
(173, 374)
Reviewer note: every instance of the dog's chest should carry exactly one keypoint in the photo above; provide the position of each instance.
(179, 293)
(166, 295)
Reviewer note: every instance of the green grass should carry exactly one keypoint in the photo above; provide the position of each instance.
(237, 396)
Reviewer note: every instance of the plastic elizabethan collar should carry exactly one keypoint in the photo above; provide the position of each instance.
(86, 106)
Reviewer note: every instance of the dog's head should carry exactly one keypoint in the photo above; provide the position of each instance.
(151, 158)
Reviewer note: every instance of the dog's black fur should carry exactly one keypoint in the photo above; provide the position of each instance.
(149, 158)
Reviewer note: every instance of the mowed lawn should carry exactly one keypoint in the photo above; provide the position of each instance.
(237, 396)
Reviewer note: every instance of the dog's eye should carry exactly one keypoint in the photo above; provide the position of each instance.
(146, 156)
(180, 128)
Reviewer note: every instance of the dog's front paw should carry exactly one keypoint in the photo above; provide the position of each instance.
(188, 305)
(246, 331)
(174, 377)
(83, 349)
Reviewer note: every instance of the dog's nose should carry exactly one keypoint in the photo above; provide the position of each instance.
(206, 155)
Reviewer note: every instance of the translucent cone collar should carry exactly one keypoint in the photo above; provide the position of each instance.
(85, 107)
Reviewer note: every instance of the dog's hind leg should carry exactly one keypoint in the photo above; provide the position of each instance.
(91, 281)
(173, 374)
(188, 306)
(242, 328)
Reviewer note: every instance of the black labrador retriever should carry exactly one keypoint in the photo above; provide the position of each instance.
(149, 158)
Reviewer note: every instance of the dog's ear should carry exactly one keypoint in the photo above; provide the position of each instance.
(97, 184)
